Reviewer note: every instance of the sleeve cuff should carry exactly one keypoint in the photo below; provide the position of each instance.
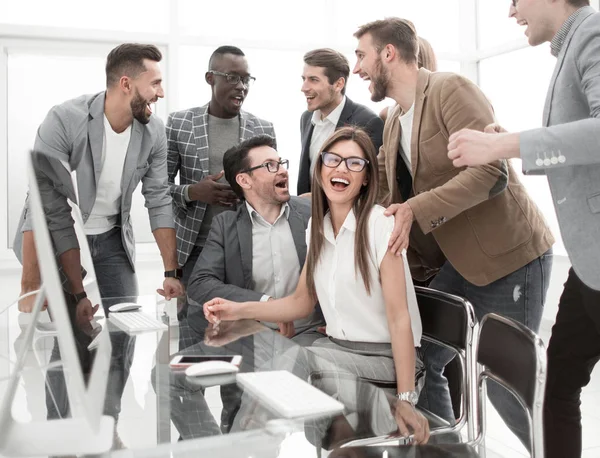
(265, 298)
(161, 217)
(186, 194)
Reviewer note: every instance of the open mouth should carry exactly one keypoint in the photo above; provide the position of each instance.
(149, 110)
(339, 184)
(283, 184)
(238, 100)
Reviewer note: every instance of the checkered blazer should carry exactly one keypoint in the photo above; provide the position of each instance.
(187, 154)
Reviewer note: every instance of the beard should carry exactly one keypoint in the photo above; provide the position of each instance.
(380, 81)
(138, 108)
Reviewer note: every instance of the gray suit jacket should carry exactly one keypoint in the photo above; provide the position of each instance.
(187, 134)
(567, 150)
(73, 132)
(224, 268)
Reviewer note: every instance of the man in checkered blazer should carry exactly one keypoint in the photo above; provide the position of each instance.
(197, 139)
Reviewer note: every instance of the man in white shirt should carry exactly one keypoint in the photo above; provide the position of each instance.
(324, 81)
(249, 253)
(111, 141)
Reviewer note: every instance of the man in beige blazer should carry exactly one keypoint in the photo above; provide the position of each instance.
(474, 228)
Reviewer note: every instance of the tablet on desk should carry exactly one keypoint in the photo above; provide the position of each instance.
(185, 361)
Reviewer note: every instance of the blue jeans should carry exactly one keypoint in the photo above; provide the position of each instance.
(520, 296)
(117, 283)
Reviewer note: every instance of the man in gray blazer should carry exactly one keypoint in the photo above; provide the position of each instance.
(567, 151)
(111, 142)
(257, 252)
(197, 138)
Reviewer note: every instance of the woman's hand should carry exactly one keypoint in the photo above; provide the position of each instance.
(410, 419)
(218, 310)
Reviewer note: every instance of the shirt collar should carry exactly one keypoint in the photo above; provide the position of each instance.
(256, 217)
(559, 39)
(333, 117)
(349, 224)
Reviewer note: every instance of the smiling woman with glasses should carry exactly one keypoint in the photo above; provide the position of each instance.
(364, 290)
(234, 78)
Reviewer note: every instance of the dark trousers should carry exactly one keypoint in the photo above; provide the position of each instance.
(573, 351)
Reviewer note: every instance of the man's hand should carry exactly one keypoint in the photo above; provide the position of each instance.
(494, 128)
(84, 311)
(26, 304)
(172, 287)
(469, 148)
(410, 420)
(287, 329)
(403, 219)
(211, 192)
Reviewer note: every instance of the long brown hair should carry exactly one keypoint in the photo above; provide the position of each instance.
(362, 207)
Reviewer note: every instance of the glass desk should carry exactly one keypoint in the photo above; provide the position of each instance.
(161, 412)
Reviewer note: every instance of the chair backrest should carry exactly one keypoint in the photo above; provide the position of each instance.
(514, 356)
(446, 318)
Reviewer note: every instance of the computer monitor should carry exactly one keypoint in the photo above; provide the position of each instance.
(87, 431)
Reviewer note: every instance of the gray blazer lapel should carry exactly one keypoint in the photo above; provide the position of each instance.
(244, 229)
(200, 131)
(559, 63)
(298, 234)
(246, 126)
(96, 133)
(132, 156)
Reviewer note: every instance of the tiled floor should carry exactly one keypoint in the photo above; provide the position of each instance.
(499, 439)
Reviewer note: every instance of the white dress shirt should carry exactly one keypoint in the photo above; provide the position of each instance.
(107, 207)
(323, 129)
(275, 263)
(350, 313)
(406, 122)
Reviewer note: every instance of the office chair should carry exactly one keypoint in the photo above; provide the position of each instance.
(449, 321)
(514, 357)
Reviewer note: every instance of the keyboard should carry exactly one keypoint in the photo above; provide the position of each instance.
(288, 395)
(132, 322)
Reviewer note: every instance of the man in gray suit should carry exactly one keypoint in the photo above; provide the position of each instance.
(257, 252)
(197, 138)
(566, 150)
(111, 141)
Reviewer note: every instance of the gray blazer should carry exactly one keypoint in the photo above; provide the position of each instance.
(187, 135)
(569, 144)
(73, 132)
(224, 268)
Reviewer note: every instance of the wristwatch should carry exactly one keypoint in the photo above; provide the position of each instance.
(78, 297)
(408, 396)
(177, 274)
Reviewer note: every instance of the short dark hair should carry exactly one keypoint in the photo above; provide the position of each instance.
(235, 159)
(335, 64)
(400, 33)
(128, 59)
(578, 3)
(221, 51)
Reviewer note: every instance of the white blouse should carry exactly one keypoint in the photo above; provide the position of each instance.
(350, 313)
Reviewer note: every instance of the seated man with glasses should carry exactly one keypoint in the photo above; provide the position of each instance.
(249, 255)
(197, 138)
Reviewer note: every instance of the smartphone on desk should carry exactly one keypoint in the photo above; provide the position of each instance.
(185, 361)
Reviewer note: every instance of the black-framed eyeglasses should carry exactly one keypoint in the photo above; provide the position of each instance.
(234, 78)
(353, 163)
(271, 166)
